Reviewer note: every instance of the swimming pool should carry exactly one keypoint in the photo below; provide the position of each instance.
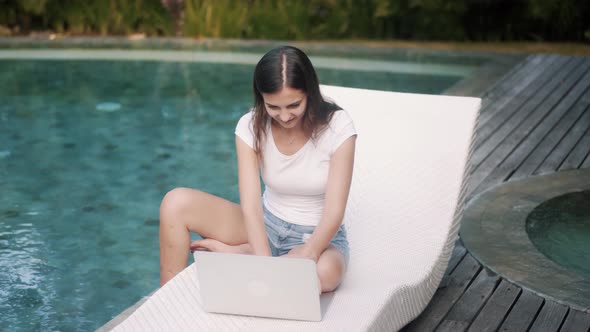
(88, 147)
(560, 229)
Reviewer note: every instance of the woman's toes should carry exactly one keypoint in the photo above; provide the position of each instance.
(218, 246)
(214, 245)
(205, 244)
(245, 249)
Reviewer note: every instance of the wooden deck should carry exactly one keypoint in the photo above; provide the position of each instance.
(534, 120)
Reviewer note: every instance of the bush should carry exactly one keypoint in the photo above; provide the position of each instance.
(477, 20)
(114, 17)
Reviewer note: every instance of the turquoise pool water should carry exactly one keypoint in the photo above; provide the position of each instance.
(87, 151)
(560, 229)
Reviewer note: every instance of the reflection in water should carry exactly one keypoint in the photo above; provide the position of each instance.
(20, 279)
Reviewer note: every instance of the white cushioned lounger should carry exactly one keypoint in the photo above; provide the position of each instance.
(402, 219)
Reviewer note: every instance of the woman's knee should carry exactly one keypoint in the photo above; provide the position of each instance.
(330, 273)
(175, 203)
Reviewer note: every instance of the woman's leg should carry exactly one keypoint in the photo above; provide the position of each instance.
(185, 210)
(331, 267)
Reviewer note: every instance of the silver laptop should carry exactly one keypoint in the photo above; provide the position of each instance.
(261, 286)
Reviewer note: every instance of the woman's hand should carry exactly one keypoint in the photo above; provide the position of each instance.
(303, 251)
(218, 246)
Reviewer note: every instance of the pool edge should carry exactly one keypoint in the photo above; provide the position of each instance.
(490, 214)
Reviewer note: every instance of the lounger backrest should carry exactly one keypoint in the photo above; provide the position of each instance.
(409, 164)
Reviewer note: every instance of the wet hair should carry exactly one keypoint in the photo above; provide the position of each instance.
(289, 66)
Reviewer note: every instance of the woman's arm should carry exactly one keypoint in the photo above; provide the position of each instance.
(250, 201)
(337, 189)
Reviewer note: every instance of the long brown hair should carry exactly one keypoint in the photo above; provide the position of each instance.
(298, 74)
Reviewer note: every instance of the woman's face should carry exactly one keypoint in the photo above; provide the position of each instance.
(287, 106)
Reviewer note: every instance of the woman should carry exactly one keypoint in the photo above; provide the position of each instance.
(303, 146)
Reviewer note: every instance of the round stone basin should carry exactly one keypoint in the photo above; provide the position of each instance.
(535, 233)
(560, 229)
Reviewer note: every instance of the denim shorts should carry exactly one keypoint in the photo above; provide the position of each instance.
(284, 236)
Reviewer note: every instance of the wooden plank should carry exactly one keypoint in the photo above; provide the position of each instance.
(490, 74)
(550, 318)
(524, 102)
(576, 321)
(550, 142)
(586, 163)
(497, 307)
(579, 153)
(500, 95)
(459, 252)
(446, 297)
(486, 130)
(522, 124)
(567, 144)
(502, 84)
(495, 132)
(469, 304)
(523, 313)
(452, 326)
(540, 123)
(508, 107)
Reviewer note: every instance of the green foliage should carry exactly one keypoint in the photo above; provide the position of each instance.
(253, 19)
(557, 18)
(87, 16)
(321, 19)
(488, 20)
(278, 19)
(33, 6)
(215, 18)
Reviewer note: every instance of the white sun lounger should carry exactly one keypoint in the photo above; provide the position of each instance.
(402, 219)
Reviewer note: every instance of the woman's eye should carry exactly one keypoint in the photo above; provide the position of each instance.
(293, 106)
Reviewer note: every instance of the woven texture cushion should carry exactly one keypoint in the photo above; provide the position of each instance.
(402, 220)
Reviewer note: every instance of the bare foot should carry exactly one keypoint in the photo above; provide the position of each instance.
(218, 246)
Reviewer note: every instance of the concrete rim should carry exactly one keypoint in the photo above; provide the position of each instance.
(493, 230)
(399, 67)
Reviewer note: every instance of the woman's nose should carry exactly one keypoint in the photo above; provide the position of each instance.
(285, 117)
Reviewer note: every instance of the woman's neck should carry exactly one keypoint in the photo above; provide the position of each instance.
(295, 131)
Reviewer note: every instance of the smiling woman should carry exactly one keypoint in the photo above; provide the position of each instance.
(90, 141)
(287, 108)
(287, 100)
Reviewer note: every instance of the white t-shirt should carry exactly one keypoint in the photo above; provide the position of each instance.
(296, 184)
